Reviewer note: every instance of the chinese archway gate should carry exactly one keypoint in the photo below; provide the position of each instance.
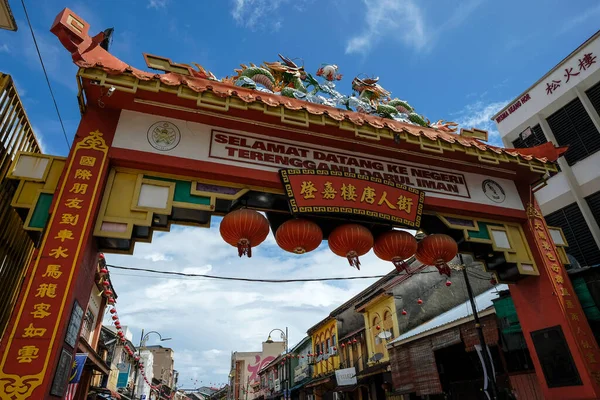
(181, 146)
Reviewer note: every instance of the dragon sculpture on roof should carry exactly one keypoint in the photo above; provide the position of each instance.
(288, 79)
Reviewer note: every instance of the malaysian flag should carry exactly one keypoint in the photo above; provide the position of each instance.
(75, 375)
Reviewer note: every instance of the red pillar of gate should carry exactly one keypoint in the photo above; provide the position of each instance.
(35, 360)
(549, 300)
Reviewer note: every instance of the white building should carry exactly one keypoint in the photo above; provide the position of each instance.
(563, 107)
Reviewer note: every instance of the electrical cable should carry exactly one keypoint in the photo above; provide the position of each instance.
(46, 75)
(231, 278)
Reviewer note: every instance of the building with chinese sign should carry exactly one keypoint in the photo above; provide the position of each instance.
(563, 108)
(245, 367)
(181, 146)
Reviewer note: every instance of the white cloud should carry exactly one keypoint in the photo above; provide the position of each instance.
(157, 4)
(208, 319)
(255, 14)
(4, 48)
(478, 115)
(579, 19)
(404, 21)
(382, 17)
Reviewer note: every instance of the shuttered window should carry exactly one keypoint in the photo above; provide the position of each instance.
(593, 94)
(536, 138)
(573, 127)
(581, 243)
(594, 203)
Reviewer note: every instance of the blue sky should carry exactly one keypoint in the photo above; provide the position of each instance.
(453, 60)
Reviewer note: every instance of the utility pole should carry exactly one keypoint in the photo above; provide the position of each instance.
(484, 353)
(288, 394)
(136, 367)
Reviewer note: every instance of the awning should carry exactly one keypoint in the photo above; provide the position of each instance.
(319, 381)
(107, 394)
(301, 384)
(373, 370)
(93, 360)
(350, 388)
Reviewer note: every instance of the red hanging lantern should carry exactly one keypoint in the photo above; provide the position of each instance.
(437, 250)
(354, 341)
(351, 241)
(104, 271)
(299, 236)
(419, 301)
(334, 348)
(108, 292)
(113, 310)
(448, 283)
(395, 246)
(111, 301)
(244, 229)
(378, 327)
(343, 345)
(115, 317)
(404, 312)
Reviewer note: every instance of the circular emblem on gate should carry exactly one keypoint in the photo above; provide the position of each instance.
(493, 191)
(164, 136)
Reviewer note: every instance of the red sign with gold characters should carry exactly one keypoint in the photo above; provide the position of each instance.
(336, 192)
(24, 364)
(565, 293)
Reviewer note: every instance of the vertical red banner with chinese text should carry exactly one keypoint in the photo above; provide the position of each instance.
(25, 361)
(565, 294)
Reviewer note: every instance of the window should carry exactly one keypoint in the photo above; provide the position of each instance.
(581, 243)
(594, 204)
(593, 94)
(536, 138)
(573, 126)
(328, 344)
(88, 325)
(388, 324)
(379, 345)
(333, 343)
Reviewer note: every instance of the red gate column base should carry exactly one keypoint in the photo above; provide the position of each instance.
(33, 349)
(549, 301)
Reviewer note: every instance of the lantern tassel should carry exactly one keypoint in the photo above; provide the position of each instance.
(443, 268)
(244, 248)
(353, 260)
(399, 264)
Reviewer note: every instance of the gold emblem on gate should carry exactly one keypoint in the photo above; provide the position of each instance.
(164, 135)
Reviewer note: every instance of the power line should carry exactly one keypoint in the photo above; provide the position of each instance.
(46, 74)
(231, 278)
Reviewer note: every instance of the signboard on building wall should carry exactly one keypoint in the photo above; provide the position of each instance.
(332, 192)
(300, 373)
(202, 142)
(572, 71)
(346, 377)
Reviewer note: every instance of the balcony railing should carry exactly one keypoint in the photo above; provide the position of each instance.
(16, 246)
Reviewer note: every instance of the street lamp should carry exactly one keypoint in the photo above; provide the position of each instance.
(288, 375)
(143, 339)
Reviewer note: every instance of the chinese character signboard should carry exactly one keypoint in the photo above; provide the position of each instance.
(565, 294)
(333, 192)
(25, 363)
(582, 65)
